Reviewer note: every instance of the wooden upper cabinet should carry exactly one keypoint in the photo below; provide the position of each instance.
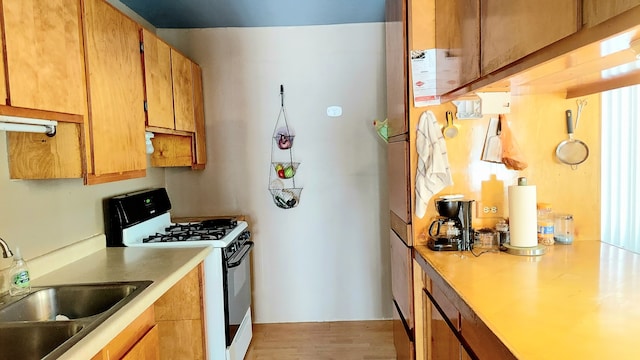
(596, 11)
(157, 79)
(3, 89)
(45, 79)
(182, 92)
(512, 29)
(116, 94)
(44, 54)
(396, 63)
(199, 138)
(457, 43)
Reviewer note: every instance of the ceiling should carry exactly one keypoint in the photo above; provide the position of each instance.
(255, 13)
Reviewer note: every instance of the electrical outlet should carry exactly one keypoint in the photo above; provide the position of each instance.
(488, 210)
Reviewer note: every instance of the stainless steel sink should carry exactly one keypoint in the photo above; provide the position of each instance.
(72, 301)
(35, 340)
(28, 324)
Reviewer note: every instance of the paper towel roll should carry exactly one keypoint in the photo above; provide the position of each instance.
(523, 231)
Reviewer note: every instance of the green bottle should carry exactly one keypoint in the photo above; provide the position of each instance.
(20, 281)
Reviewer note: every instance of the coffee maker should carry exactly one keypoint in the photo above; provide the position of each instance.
(451, 230)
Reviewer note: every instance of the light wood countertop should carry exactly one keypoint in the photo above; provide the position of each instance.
(579, 301)
(164, 267)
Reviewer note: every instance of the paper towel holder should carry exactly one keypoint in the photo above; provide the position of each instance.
(525, 251)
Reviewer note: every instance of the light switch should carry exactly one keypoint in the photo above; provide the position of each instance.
(334, 111)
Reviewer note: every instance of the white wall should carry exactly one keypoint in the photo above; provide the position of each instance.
(328, 258)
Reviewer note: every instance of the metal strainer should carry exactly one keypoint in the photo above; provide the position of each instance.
(572, 151)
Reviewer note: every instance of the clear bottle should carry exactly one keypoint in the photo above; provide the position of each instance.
(503, 231)
(563, 229)
(545, 224)
(19, 278)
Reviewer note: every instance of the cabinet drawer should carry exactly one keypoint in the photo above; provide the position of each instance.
(447, 308)
(481, 339)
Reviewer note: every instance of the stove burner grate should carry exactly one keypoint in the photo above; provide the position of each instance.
(197, 231)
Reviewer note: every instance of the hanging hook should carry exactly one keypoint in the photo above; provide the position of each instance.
(281, 95)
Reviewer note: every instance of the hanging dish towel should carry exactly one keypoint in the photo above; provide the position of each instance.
(433, 172)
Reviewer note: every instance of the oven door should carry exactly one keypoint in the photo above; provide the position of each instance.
(237, 289)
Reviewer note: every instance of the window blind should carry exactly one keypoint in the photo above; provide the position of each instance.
(620, 182)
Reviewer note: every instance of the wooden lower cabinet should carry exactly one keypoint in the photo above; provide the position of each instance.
(180, 318)
(136, 341)
(402, 338)
(173, 328)
(445, 326)
(146, 348)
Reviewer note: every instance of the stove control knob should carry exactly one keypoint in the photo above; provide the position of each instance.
(245, 235)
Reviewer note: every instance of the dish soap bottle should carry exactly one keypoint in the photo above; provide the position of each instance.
(20, 281)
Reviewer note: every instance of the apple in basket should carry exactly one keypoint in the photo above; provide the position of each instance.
(284, 142)
(288, 172)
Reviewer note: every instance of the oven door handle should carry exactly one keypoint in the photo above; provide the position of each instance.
(236, 259)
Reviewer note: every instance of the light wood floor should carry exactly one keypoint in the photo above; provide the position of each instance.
(347, 340)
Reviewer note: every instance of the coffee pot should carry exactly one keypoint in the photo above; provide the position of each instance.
(451, 230)
(442, 227)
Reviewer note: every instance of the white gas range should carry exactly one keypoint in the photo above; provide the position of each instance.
(142, 219)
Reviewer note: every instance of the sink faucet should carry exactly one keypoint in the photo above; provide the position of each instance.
(6, 252)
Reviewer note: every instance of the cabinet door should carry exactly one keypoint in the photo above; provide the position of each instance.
(129, 338)
(396, 62)
(597, 11)
(117, 123)
(512, 29)
(443, 343)
(180, 319)
(457, 43)
(147, 348)
(182, 92)
(399, 181)
(199, 138)
(157, 81)
(401, 339)
(402, 277)
(44, 54)
(37, 156)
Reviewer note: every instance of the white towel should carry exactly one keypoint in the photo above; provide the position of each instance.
(433, 172)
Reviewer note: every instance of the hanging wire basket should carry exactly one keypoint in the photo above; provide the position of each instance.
(285, 170)
(283, 139)
(284, 196)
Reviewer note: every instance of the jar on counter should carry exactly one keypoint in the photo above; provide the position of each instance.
(503, 231)
(563, 229)
(546, 223)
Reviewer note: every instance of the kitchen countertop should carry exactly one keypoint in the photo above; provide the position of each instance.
(579, 301)
(165, 267)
